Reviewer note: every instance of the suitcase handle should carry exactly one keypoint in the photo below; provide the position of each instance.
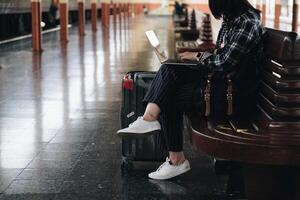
(144, 80)
(144, 84)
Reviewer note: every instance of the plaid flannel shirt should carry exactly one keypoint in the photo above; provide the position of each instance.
(242, 35)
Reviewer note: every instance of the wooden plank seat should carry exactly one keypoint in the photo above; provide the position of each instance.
(271, 138)
(279, 98)
(279, 112)
(182, 20)
(289, 69)
(178, 19)
(190, 32)
(280, 83)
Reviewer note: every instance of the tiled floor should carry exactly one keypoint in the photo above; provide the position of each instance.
(59, 112)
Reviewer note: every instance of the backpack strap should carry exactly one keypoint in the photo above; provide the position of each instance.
(229, 94)
(207, 95)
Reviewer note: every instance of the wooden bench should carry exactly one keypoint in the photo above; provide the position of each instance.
(182, 20)
(266, 145)
(190, 32)
(203, 41)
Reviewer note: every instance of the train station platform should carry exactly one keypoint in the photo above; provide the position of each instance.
(59, 112)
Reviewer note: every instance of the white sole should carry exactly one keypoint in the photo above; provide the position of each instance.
(171, 176)
(137, 135)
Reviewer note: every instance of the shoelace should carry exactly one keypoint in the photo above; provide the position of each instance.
(134, 121)
(162, 165)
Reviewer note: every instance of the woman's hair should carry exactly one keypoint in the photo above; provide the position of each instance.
(230, 8)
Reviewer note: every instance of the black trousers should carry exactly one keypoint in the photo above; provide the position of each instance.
(175, 89)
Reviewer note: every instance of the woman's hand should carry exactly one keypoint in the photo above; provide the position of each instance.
(188, 56)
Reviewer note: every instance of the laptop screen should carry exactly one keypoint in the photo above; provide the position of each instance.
(152, 38)
(162, 55)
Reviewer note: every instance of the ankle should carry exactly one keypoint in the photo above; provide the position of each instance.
(149, 117)
(177, 161)
(176, 158)
(152, 112)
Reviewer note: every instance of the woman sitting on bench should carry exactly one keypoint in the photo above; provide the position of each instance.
(172, 91)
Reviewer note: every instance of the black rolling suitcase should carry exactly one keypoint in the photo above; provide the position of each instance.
(134, 88)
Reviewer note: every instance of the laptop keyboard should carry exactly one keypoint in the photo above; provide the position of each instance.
(187, 44)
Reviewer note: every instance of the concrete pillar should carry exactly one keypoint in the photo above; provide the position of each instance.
(257, 4)
(102, 13)
(81, 17)
(124, 7)
(118, 2)
(128, 9)
(277, 14)
(114, 7)
(64, 20)
(134, 7)
(120, 7)
(264, 12)
(94, 14)
(295, 15)
(108, 5)
(36, 25)
(120, 10)
(124, 10)
(140, 7)
(105, 7)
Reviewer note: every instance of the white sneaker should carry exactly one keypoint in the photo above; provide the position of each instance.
(167, 171)
(140, 127)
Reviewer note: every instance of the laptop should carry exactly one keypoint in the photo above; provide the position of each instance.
(162, 55)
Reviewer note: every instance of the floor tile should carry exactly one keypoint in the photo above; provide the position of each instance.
(65, 164)
(7, 176)
(44, 174)
(87, 196)
(100, 155)
(58, 147)
(27, 197)
(95, 170)
(34, 187)
(87, 187)
(71, 138)
(52, 155)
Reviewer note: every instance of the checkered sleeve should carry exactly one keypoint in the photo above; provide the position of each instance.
(241, 40)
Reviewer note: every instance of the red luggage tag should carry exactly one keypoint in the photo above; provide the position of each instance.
(127, 83)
